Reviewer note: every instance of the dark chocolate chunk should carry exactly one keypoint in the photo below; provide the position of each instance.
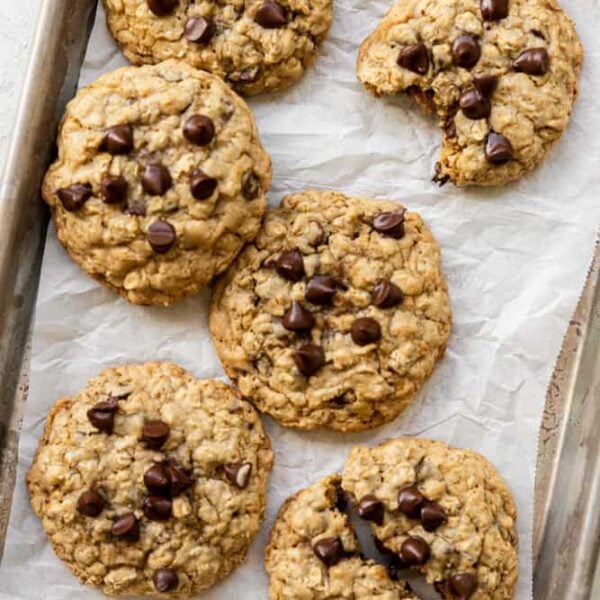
(290, 265)
(157, 480)
(297, 318)
(75, 196)
(157, 508)
(462, 585)
(485, 84)
(466, 50)
(238, 473)
(199, 30)
(155, 433)
(118, 140)
(365, 331)
(415, 551)
(179, 478)
(271, 15)
(162, 8)
(102, 415)
(386, 294)
(201, 185)
(371, 509)
(309, 358)
(432, 515)
(156, 180)
(126, 527)
(498, 150)
(330, 550)
(199, 130)
(90, 503)
(410, 501)
(161, 235)
(165, 580)
(251, 187)
(533, 61)
(415, 58)
(390, 224)
(474, 105)
(494, 10)
(320, 289)
(113, 189)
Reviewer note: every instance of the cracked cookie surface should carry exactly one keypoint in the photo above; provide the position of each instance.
(160, 180)
(255, 45)
(501, 76)
(313, 553)
(336, 314)
(151, 481)
(443, 511)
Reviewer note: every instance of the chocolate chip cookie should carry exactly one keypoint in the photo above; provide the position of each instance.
(160, 180)
(442, 511)
(256, 46)
(151, 481)
(313, 552)
(501, 76)
(336, 314)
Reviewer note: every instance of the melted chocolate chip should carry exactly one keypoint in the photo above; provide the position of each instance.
(462, 585)
(432, 515)
(90, 503)
(498, 150)
(329, 550)
(201, 185)
(157, 480)
(238, 473)
(466, 51)
(157, 508)
(271, 15)
(179, 478)
(474, 105)
(155, 433)
(410, 501)
(161, 235)
(297, 318)
(415, 551)
(533, 61)
(290, 265)
(390, 224)
(126, 527)
(162, 8)
(415, 58)
(371, 509)
(365, 331)
(251, 188)
(309, 358)
(247, 76)
(320, 289)
(494, 10)
(102, 415)
(386, 294)
(199, 30)
(113, 189)
(165, 580)
(485, 84)
(75, 196)
(156, 180)
(118, 140)
(199, 130)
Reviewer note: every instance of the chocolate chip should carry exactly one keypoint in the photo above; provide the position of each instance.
(161, 235)
(90, 503)
(113, 189)
(415, 551)
(199, 130)
(155, 433)
(320, 289)
(365, 331)
(390, 224)
(118, 140)
(474, 105)
(462, 585)
(297, 318)
(251, 188)
(238, 473)
(165, 580)
(371, 509)
(247, 76)
(534, 61)
(178, 477)
(102, 415)
(75, 196)
(410, 501)
(466, 50)
(157, 508)
(271, 15)
(126, 527)
(330, 550)
(432, 515)
(415, 58)
(157, 480)
(156, 180)
(309, 358)
(201, 185)
(290, 265)
(485, 84)
(498, 150)
(386, 294)
(494, 10)
(199, 30)
(162, 8)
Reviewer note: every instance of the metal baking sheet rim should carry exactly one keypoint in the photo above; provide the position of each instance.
(566, 536)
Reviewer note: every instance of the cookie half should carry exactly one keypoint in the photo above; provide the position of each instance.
(256, 46)
(313, 552)
(336, 314)
(160, 180)
(150, 481)
(442, 511)
(501, 76)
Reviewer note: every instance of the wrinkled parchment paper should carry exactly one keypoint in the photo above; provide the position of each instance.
(515, 258)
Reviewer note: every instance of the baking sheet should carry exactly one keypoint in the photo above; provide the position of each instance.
(515, 258)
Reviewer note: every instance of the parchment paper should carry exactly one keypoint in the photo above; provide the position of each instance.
(515, 258)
